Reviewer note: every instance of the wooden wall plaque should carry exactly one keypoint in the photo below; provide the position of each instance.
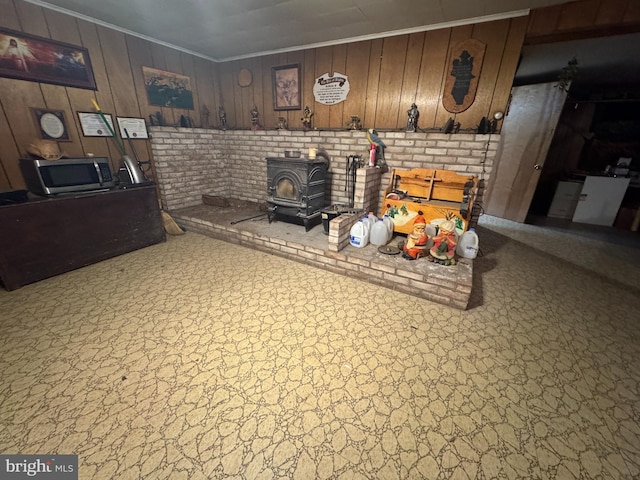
(461, 84)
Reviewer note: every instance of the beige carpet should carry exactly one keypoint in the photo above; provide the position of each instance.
(197, 359)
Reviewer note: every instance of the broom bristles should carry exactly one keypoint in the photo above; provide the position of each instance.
(170, 226)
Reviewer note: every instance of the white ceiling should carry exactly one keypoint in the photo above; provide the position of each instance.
(230, 29)
(222, 30)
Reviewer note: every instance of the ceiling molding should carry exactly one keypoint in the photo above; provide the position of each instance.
(115, 27)
(405, 31)
(419, 29)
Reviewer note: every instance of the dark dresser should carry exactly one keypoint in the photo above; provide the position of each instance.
(44, 237)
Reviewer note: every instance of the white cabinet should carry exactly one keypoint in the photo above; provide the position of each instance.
(600, 200)
(565, 199)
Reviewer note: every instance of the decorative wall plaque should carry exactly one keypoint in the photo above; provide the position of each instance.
(331, 89)
(51, 124)
(245, 77)
(461, 84)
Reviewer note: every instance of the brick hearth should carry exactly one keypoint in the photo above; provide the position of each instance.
(445, 285)
(191, 163)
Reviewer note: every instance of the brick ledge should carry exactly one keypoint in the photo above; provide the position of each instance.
(449, 286)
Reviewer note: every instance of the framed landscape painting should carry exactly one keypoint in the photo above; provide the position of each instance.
(167, 89)
(39, 59)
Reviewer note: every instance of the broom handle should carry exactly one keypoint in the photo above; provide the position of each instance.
(104, 119)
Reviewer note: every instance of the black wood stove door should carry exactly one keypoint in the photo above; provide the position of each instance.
(288, 188)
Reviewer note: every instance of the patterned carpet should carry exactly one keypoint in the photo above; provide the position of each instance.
(198, 359)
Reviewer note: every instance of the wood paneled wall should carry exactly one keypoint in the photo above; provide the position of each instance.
(386, 76)
(117, 61)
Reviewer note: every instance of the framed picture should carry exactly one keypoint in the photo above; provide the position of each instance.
(286, 87)
(167, 89)
(38, 59)
(51, 124)
(132, 127)
(93, 125)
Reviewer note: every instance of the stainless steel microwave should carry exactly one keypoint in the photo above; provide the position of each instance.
(67, 175)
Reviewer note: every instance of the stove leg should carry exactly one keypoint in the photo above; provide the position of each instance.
(270, 217)
(306, 224)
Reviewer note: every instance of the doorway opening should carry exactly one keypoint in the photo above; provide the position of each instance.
(592, 140)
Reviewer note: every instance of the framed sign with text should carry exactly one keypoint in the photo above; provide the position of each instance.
(329, 89)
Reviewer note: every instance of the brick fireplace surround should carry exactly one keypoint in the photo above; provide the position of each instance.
(231, 165)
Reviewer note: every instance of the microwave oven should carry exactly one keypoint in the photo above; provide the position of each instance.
(67, 175)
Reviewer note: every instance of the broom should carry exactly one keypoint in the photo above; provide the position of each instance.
(170, 226)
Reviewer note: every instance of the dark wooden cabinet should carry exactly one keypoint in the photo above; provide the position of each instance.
(48, 236)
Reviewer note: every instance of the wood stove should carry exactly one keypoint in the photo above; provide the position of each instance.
(296, 188)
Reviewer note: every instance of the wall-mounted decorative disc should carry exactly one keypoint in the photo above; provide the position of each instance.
(245, 77)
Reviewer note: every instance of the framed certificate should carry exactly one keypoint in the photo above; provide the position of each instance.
(93, 125)
(134, 127)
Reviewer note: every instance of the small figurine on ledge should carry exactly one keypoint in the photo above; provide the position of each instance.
(222, 115)
(157, 119)
(204, 115)
(306, 120)
(451, 126)
(255, 125)
(375, 145)
(354, 124)
(412, 123)
(416, 240)
(282, 123)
